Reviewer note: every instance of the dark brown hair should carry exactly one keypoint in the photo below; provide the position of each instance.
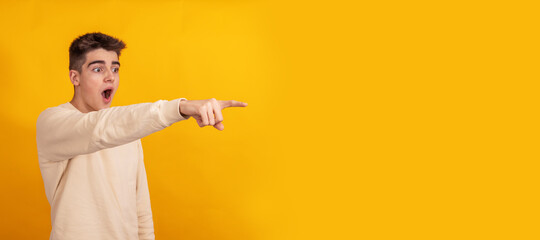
(88, 42)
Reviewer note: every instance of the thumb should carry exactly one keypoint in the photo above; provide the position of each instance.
(219, 126)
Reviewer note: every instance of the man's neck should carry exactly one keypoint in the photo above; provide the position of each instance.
(79, 104)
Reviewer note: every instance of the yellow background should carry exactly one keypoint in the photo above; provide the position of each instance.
(366, 119)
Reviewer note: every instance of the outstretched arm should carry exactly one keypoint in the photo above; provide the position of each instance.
(65, 133)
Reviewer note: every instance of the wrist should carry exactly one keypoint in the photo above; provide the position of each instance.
(180, 105)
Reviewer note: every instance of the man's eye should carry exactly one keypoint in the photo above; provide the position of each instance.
(116, 70)
(96, 69)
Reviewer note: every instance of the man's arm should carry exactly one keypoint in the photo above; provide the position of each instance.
(144, 210)
(63, 133)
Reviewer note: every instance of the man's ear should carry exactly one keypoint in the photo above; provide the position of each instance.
(74, 76)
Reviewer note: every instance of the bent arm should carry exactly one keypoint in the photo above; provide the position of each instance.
(65, 133)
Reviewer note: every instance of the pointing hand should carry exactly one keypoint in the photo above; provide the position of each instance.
(208, 111)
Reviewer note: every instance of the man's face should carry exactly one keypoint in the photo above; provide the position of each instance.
(98, 79)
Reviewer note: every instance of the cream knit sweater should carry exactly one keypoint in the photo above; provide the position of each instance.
(93, 169)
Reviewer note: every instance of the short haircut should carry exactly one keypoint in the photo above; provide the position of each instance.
(88, 42)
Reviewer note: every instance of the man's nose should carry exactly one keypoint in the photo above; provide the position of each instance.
(109, 77)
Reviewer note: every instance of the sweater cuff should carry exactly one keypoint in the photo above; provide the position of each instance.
(171, 111)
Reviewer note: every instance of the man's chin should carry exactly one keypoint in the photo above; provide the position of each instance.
(104, 106)
(107, 106)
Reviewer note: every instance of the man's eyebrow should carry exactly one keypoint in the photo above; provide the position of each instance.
(97, 61)
(103, 62)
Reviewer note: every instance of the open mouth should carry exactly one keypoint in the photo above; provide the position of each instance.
(107, 94)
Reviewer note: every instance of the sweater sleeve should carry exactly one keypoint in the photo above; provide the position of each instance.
(144, 210)
(63, 133)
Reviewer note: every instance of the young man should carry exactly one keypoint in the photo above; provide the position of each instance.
(90, 154)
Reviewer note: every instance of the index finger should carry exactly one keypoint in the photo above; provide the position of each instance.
(232, 103)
